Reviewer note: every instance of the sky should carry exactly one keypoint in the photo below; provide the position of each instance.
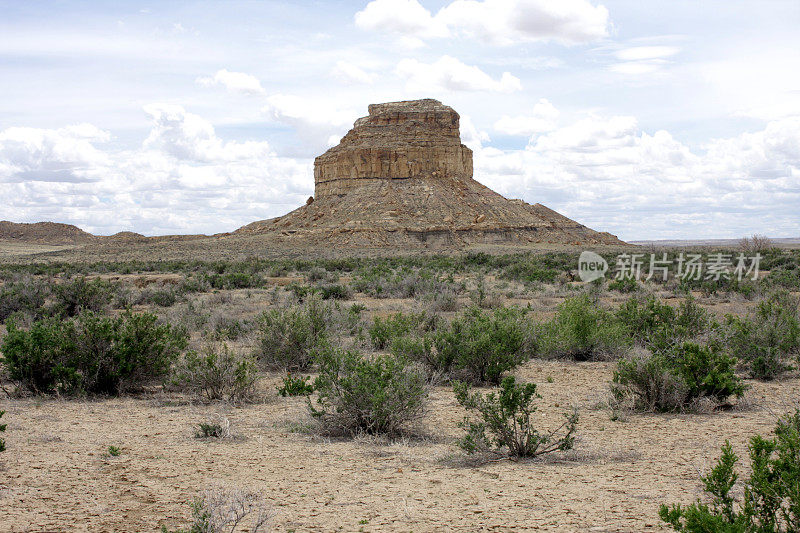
(651, 120)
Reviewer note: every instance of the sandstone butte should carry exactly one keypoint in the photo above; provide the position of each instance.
(402, 177)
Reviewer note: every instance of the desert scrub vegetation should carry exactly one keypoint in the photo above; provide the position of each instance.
(378, 394)
(770, 500)
(23, 295)
(624, 285)
(227, 510)
(90, 354)
(39, 297)
(325, 291)
(582, 330)
(213, 430)
(382, 281)
(384, 331)
(287, 337)
(79, 294)
(217, 372)
(658, 326)
(504, 422)
(768, 338)
(675, 379)
(296, 386)
(528, 267)
(480, 346)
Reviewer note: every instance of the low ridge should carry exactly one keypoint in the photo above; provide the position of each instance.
(44, 233)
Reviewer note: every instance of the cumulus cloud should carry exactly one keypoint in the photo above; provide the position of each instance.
(501, 22)
(237, 82)
(404, 17)
(183, 178)
(317, 122)
(354, 74)
(471, 135)
(450, 74)
(187, 136)
(53, 155)
(607, 173)
(543, 118)
(601, 170)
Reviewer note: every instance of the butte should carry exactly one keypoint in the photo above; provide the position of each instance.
(402, 178)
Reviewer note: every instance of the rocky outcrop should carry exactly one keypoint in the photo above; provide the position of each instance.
(401, 177)
(397, 141)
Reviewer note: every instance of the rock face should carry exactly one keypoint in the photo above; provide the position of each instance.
(398, 140)
(401, 177)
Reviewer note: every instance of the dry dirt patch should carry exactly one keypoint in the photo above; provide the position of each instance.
(56, 476)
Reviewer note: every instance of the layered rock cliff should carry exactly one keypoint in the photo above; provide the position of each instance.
(402, 177)
(398, 140)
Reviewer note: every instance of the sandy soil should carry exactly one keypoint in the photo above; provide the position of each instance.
(56, 476)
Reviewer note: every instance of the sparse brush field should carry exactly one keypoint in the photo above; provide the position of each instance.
(472, 393)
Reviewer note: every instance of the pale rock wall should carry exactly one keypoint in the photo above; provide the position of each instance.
(398, 140)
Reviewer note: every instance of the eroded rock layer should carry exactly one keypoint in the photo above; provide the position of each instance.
(402, 177)
(398, 140)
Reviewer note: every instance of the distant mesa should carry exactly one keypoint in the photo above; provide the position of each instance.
(402, 177)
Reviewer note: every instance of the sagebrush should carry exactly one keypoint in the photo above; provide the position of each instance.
(381, 394)
(505, 422)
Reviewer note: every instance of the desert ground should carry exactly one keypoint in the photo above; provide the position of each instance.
(57, 474)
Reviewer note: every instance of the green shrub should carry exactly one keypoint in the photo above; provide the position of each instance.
(233, 280)
(113, 451)
(660, 327)
(26, 295)
(213, 430)
(484, 344)
(326, 291)
(334, 292)
(644, 317)
(376, 395)
(771, 497)
(384, 330)
(288, 336)
(217, 373)
(2, 430)
(650, 383)
(582, 330)
(507, 417)
(531, 271)
(166, 297)
(384, 282)
(674, 380)
(785, 277)
(90, 354)
(625, 285)
(72, 297)
(296, 386)
(707, 371)
(415, 348)
(765, 339)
